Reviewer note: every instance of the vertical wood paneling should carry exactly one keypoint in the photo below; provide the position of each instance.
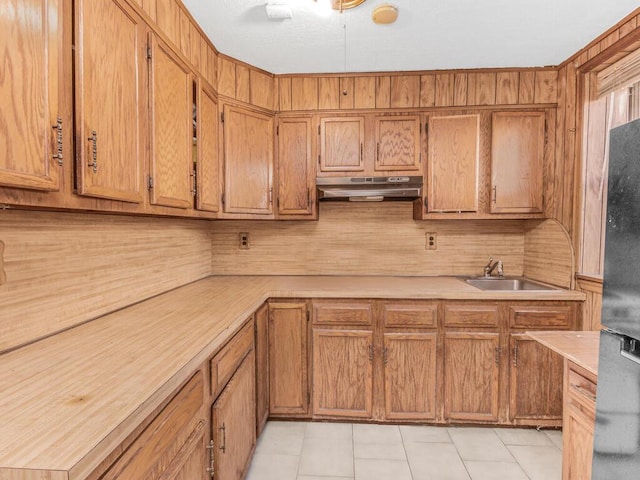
(546, 86)
(243, 89)
(592, 310)
(481, 88)
(261, 89)
(96, 264)
(548, 253)
(347, 96)
(205, 69)
(226, 77)
(427, 90)
(185, 34)
(150, 8)
(328, 93)
(284, 93)
(383, 92)
(365, 92)
(507, 88)
(212, 58)
(527, 87)
(444, 89)
(196, 39)
(460, 89)
(304, 93)
(405, 91)
(168, 18)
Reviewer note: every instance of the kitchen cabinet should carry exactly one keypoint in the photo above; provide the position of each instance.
(172, 445)
(172, 182)
(342, 144)
(110, 100)
(248, 161)
(31, 119)
(398, 143)
(208, 160)
(342, 373)
(262, 366)
(233, 425)
(517, 162)
(288, 359)
(296, 192)
(453, 163)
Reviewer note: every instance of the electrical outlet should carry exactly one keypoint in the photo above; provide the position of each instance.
(243, 240)
(431, 241)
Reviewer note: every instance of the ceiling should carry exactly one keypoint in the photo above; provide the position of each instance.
(428, 35)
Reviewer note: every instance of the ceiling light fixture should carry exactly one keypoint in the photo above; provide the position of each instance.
(340, 5)
(384, 14)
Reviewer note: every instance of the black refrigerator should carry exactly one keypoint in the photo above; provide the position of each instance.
(616, 449)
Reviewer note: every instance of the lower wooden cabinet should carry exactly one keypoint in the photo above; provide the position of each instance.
(172, 445)
(343, 373)
(535, 382)
(471, 376)
(233, 425)
(262, 366)
(288, 359)
(409, 375)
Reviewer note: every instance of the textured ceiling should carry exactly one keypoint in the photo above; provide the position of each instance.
(429, 34)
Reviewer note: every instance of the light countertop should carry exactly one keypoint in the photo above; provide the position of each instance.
(580, 348)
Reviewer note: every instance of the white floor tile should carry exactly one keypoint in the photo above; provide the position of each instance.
(335, 431)
(479, 444)
(435, 461)
(539, 463)
(428, 434)
(283, 438)
(370, 469)
(326, 457)
(555, 436)
(269, 466)
(314, 477)
(365, 433)
(389, 451)
(523, 436)
(495, 471)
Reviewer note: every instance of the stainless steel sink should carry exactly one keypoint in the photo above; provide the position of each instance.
(508, 284)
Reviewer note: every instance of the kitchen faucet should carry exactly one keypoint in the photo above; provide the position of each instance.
(489, 268)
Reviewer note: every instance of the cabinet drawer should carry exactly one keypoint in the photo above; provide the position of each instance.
(342, 313)
(581, 393)
(478, 315)
(534, 316)
(229, 358)
(410, 314)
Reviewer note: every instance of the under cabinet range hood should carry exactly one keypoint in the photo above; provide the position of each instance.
(369, 189)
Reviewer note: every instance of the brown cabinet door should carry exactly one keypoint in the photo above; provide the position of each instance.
(535, 381)
(262, 367)
(233, 425)
(343, 373)
(190, 463)
(410, 375)
(577, 452)
(342, 144)
(288, 340)
(398, 143)
(296, 182)
(517, 162)
(208, 160)
(110, 88)
(471, 376)
(454, 156)
(248, 161)
(171, 110)
(30, 85)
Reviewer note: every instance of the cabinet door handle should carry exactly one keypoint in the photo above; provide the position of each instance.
(223, 444)
(515, 356)
(495, 193)
(371, 353)
(94, 151)
(59, 141)
(385, 355)
(308, 197)
(378, 152)
(271, 195)
(498, 352)
(361, 152)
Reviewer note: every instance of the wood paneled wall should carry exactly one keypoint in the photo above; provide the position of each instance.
(63, 269)
(457, 88)
(548, 254)
(366, 239)
(592, 310)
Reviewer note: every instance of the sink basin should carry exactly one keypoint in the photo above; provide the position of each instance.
(507, 284)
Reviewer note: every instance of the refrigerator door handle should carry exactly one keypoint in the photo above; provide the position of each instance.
(630, 348)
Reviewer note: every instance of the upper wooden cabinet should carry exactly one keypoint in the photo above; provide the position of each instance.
(398, 143)
(248, 161)
(453, 163)
(111, 106)
(342, 144)
(171, 120)
(208, 160)
(296, 192)
(32, 148)
(517, 162)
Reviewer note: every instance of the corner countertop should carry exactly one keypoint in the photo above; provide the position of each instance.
(580, 348)
(70, 399)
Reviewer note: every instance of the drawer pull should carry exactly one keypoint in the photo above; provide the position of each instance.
(223, 445)
(584, 392)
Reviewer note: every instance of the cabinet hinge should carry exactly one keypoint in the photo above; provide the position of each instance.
(222, 117)
(318, 129)
(308, 397)
(278, 202)
(222, 198)
(277, 130)
(150, 182)
(426, 128)
(194, 185)
(148, 52)
(308, 316)
(318, 159)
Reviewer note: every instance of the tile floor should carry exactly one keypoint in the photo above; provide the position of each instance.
(342, 451)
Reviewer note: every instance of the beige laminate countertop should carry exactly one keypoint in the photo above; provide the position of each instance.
(68, 400)
(580, 348)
